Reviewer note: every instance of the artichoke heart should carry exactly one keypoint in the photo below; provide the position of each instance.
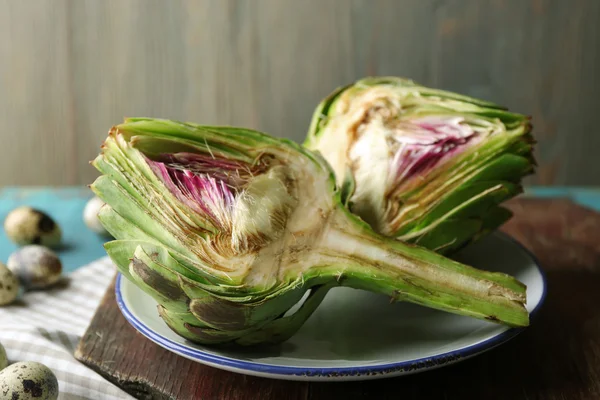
(425, 166)
(228, 229)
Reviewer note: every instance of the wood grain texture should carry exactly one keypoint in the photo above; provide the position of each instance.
(114, 349)
(556, 358)
(36, 108)
(70, 69)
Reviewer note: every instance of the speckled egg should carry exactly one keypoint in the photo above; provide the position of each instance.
(28, 381)
(36, 266)
(90, 216)
(26, 225)
(3, 358)
(9, 285)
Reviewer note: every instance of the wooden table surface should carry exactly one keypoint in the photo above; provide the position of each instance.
(557, 357)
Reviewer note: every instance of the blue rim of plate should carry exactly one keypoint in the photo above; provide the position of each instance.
(378, 369)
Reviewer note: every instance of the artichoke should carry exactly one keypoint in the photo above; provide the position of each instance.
(422, 165)
(229, 228)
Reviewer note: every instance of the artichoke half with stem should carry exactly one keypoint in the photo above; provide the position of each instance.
(423, 165)
(228, 229)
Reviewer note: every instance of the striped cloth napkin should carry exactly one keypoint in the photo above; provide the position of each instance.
(45, 326)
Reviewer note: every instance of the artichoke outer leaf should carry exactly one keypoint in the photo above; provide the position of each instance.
(225, 315)
(184, 317)
(120, 227)
(281, 329)
(450, 234)
(507, 167)
(495, 218)
(481, 197)
(191, 332)
(121, 252)
(131, 210)
(158, 282)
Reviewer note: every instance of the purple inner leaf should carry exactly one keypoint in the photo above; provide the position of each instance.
(200, 161)
(421, 144)
(202, 183)
(232, 172)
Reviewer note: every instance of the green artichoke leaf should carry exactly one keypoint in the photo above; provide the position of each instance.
(178, 322)
(121, 227)
(184, 317)
(222, 314)
(131, 210)
(481, 197)
(450, 234)
(158, 281)
(283, 328)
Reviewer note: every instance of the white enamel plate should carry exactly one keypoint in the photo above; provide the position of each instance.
(356, 335)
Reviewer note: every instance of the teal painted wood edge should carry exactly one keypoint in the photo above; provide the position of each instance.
(82, 246)
(588, 196)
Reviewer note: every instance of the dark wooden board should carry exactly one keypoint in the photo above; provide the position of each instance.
(558, 357)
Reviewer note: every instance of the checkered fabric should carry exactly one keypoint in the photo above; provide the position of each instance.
(46, 326)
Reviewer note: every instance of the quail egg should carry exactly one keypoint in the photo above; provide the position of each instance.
(9, 286)
(3, 358)
(36, 266)
(28, 380)
(26, 225)
(90, 216)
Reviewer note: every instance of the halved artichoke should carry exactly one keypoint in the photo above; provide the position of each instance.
(423, 165)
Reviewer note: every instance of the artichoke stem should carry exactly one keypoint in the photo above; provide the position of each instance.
(406, 272)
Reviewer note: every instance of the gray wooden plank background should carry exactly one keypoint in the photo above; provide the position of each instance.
(69, 69)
